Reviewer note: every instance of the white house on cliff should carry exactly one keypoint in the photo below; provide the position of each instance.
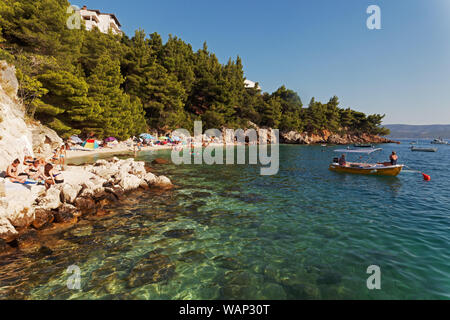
(103, 21)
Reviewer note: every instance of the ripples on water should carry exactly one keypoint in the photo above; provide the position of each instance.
(225, 232)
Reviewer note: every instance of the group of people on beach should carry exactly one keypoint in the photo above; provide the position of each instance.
(38, 170)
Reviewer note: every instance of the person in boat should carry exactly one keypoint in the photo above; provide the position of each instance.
(12, 172)
(393, 158)
(52, 175)
(342, 161)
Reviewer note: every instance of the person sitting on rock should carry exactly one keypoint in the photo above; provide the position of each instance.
(13, 174)
(51, 175)
(36, 171)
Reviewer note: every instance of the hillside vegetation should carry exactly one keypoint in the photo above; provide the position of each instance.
(78, 81)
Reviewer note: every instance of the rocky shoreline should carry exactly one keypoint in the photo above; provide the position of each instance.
(328, 137)
(85, 192)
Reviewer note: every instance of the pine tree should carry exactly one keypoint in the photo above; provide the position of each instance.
(67, 101)
(119, 112)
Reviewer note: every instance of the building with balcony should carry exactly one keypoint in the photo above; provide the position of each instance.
(102, 21)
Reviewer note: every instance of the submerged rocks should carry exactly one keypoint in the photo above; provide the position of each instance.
(153, 268)
(179, 233)
(160, 161)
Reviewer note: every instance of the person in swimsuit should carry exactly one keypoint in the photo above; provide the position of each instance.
(26, 165)
(12, 172)
(36, 172)
(52, 175)
(55, 157)
(393, 158)
(62, 155)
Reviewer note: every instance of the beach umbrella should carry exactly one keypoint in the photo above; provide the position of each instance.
(76, 139)
(110, 139)
(147, 136)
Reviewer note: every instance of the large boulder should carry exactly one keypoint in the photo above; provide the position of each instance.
(163, 182)
(42, 217)
(45, 140)
(86, 205)
(105, 172)
(7, 230)
(51, 200)
(67, 213)
(69, 192)
(130, 182)
(138, 168)
(18, 204)
(150, 178)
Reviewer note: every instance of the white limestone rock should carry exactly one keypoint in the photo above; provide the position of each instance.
(163, 181)
(130, 182)
(51, 199)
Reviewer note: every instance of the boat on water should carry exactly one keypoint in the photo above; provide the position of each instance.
(373, 169)
(439, 141)
(363, 145)
(420, 149)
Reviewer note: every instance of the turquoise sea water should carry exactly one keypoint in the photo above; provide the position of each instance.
(225, 232)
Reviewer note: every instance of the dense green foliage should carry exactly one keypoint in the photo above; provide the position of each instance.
(79, 81)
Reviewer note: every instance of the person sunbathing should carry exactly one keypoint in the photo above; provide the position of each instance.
(36, 171)
(51, 175)
(13, 174)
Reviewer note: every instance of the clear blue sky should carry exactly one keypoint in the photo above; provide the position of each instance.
(319, 48)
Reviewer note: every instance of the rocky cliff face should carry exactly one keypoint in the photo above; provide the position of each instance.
(17, 137)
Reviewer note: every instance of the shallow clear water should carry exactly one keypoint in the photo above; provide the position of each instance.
(225, 232)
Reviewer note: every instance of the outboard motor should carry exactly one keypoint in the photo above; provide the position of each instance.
(335, 160)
